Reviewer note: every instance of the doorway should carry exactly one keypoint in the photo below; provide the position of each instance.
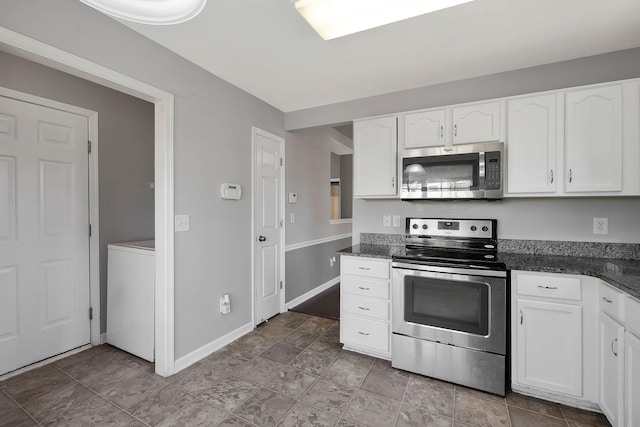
(36, 51)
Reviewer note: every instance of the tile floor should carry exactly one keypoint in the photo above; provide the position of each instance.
(289, 372)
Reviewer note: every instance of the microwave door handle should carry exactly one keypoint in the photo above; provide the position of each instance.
(481, 169)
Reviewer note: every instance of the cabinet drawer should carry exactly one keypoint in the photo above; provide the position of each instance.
(365, 333)
(611, 301)
(366, 267)
(632, 314)
(540, 285)
(375, 308)
(365, 287)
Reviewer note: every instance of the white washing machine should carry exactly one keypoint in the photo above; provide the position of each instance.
(131, 297)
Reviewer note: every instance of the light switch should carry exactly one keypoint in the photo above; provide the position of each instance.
(396, 221)
(293, 217)
(181, 223)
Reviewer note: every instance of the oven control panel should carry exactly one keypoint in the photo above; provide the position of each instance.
(442, 227)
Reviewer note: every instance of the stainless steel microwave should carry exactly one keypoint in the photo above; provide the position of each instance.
(470, 171)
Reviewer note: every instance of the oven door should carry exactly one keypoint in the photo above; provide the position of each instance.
(451, 306)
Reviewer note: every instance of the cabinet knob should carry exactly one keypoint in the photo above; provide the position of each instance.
(521, 317)
(605, 299)
(455, 130)
(612, 350)
(547, 287)
(441, 131)
(551, 176)
(364, 308)
(364, 289)
(363, 333)
(570, 175)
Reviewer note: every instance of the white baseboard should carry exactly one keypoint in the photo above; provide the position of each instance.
(209, 348)
(312, 293)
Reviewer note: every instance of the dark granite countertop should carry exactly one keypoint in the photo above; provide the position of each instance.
(623, 274)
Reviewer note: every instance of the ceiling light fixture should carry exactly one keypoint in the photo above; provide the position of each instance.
(337, 18)
(155, 12)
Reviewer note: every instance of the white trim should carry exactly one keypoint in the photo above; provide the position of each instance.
(254, 132)
(103, 338)
(308, 243)
(37, 51)
(202, 352)
(312, 293)
(94, 197)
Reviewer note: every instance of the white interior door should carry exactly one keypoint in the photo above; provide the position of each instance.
(44, 233)
(268, 195)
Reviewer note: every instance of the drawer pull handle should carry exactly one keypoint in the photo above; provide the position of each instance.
(364, 268)
(547, 287)
(363, 333)
(521, 317)
(605, 299)
(364, 308)
(364, 289)
(612, 350)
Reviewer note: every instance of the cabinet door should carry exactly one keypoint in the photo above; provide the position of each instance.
(632, 377)
(593, 148)
(611, 369)
(549, 346)
(476, 123)
(375, 157)
(531, 145)
(425, 129)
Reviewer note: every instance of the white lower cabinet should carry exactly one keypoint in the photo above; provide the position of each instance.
(553, 347)
(365, 305)
(632, 377)
(550, 346)
(612, 369)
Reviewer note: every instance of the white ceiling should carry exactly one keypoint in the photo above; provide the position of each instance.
(266, 48)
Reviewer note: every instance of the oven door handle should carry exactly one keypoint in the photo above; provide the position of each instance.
(449, 270)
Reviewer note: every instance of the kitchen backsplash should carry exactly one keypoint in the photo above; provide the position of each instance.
(542, 247)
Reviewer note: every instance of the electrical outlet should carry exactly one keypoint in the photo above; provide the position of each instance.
(600, 225)
(332, 261)
(386, 220)
(182, 223)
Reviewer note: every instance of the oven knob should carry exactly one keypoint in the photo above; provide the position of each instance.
(474, 228)
(485, 228)
(414, 226)
(425, 226)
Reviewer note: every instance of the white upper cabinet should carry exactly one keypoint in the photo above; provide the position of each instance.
(593, 148)
(375, 145)
(531, 147)
(425, 129)
(476, 123)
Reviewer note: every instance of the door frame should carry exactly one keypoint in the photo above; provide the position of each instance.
(42, 53)
(255, 131)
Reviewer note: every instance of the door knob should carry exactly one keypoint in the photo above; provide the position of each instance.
(262, 238)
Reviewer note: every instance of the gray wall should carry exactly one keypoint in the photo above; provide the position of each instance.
(346, 184)
(624, 64)
(335, 166)
(535, 219)
(309, 267)
(125, 155)
(212, 135)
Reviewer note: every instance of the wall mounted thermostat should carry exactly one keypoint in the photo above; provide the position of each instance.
(293, 198)
(230, 191)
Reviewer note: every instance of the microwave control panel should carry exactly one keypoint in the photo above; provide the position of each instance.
(493, 171)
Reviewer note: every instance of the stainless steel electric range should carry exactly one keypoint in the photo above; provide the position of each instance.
(449, 316)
